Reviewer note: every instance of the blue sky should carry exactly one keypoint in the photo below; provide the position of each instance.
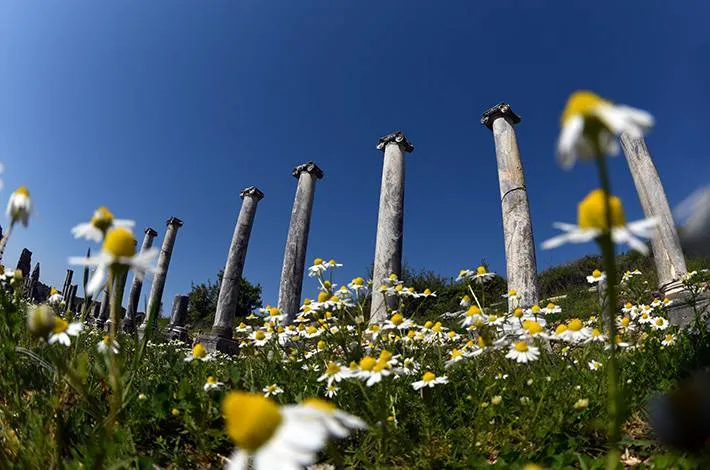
(170, 108)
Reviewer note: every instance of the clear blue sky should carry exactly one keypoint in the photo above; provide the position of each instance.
(170, 108)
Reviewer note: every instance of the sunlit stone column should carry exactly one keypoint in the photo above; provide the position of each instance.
(104, 310)
(67, 283)
(156, 290)
(667, 253)
(390, 220)
(178, 318)
(521, 267)
(229, 288)
(134, 297)
(297, 241)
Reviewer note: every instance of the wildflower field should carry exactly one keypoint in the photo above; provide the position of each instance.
(461, 374)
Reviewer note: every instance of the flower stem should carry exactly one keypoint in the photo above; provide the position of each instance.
(608, 253)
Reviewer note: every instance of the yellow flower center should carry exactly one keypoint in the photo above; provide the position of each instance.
(60, 325)
(456, 354)
(582, 103)
(399, 288)
(596, 333)
(532, 327)
(591, 212)
(512, 293)
(428, 324)
(628, 305)
(358, 281)
(659, 322)
(367, 363)
(428, 376)
(575, 324)
(393, 277)
(625, 321)
(596, 274)
(669, 338)
(23, 191)
(251, 419)
(535, 308)
(327, 284)
(427, 292)
(473, 310)
(481, 342)
(374, 328)
(436, 328)
(397, 319)
(211, 380)
(481, 270)
(102, 219)
(385, 355)
(259, 335)
(332, 369)
(521, 346)
(119, 242)
(321, 345)
(560, 329)
(319, 404)
(551, 306)
(106, 340)
(518, 312)
(380, 366)
(199, 350)
(311, 330)
(53, 291)
(323, 296)
(335, 298)
(318, 261)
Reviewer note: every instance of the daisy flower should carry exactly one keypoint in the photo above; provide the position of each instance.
(597, 276)
(334, 372)
(331, 391)
(358, 285)
(628, 275)
(482, 275)
(522, 352)
(594, 365)
(429, 379)
(464, 274)
(590, 124)
(318, 268)
(337, 422)
(659, 324)
(591, 220)
(397, 321)
(100, 222)
(551, 308)
(106, 345)
(198, 353)
(260, 337)
(55, 298)
(62, 330)
(212, 384)
(455, 355)
(19, 206)
(668, 340)
(118, 250)
(576, 331)
(272, 390)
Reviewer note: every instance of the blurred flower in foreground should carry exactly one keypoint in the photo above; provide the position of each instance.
(19, 206)
(118, 250)
(693, 215)
(590, 125)
(591, 220)
(269, 436)
(101, 221)
(62, 330)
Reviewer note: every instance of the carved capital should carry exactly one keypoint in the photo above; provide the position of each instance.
(174, 221)
(310, 167)
(252, 191)
(150, 232)
(397, 137)
(500, 110)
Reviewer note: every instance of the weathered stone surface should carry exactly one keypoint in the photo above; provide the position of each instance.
(31, 284)
(129, 322)
(229, 288)
(158, 286)
(67, 283)
(178, 317)
(218, 343)
(71, 301)
(24, 264)
(667, 253)
(390, 220)
(695, 231)
(104, 311)
(297, 241)
(521, 265)
(681, 312)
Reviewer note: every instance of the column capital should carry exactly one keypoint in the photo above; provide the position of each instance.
(396, 137)
(252, 191)
(310, 167)
(149, 231)
(174, 221)
(503, 110)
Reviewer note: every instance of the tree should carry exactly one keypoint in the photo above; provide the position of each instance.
(203, 301)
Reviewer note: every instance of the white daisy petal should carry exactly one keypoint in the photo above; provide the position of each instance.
(567, 143)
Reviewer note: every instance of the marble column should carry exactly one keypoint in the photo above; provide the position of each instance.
(390, 221)
(67, 283)
(104, 309)
(521, 266)
(156, 290)
(667, 252)
(178, 317)
(231, 279)
(129, 322)
(297, 241)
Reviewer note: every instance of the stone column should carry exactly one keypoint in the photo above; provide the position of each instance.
(297, 241)
(129, 322)
(24, 264)
(104, 310)
(229, 288)
(667, 253)
(390, 221)
(178, 317)
(521, 267)
(156, 290)
(67, 283)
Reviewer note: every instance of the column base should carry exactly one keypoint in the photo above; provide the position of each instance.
(128, 326)
(219, 343)
(673, 289)
(177, 332)
(682, 314)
